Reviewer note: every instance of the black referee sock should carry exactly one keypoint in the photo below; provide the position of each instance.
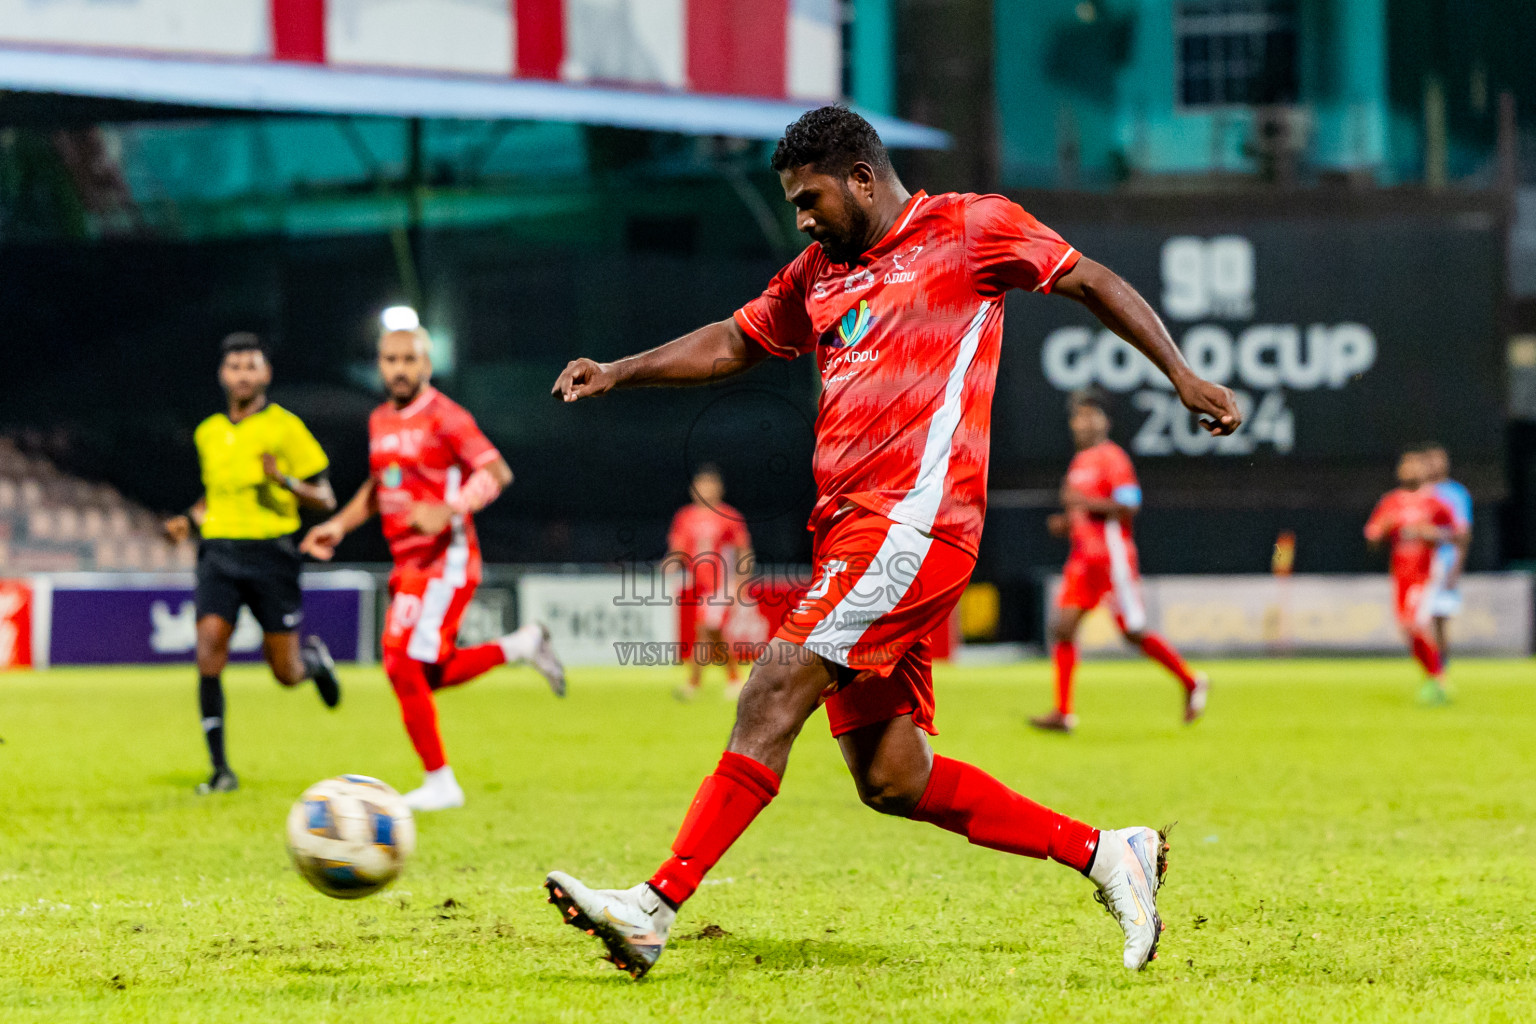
(210, 699)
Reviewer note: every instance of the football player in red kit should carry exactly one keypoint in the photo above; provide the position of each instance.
(900, 298)
(430, 471)
(1101, 497)
(710, 540)
(1415, 521)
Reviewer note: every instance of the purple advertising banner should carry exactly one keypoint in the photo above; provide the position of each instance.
(140, 618)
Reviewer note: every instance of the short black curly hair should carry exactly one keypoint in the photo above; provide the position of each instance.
(831, 139)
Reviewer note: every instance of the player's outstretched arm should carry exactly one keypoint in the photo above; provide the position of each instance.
(711, 353)
(1122, 309)
(321, 541)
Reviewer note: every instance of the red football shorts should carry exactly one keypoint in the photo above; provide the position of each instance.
(1086, 580)
(1415, 594)
(425, 610)
(880, 588)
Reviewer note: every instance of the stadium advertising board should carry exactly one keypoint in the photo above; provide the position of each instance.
(143, 618)
(598, 619)
(1324, 368)
(1268, 615)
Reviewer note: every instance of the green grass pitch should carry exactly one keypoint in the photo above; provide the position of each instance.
(1341, 855)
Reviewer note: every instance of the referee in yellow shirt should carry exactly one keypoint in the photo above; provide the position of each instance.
(260, 465)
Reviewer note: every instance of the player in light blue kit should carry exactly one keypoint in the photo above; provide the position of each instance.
(1452, 555)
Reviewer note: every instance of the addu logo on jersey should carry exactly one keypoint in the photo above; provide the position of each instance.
(854, 326)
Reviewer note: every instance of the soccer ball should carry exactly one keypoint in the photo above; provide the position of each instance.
(350, 836)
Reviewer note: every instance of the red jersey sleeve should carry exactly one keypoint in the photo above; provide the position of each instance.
(777, 319)
(677, 536)
(1008, 248)
(1380, 524)
(1446, 516)
(464, 436)
(737, 535)
(1119, 471)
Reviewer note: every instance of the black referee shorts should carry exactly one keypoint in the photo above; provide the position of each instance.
(261, 574)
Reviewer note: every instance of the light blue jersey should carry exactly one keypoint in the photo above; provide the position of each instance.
(1448, 602)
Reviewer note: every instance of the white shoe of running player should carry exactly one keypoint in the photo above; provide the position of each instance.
(1194, 700)
(1128, 868)
(531, 644)
(438, 791)
(632, 923)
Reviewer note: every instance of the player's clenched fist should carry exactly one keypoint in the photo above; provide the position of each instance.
(320, 543)
(583, 378)
(1214, 404)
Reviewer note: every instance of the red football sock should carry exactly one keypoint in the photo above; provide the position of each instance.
(465, 663)
(1156, 648)
(1428, 654)
(410, 679)
(722, 809)
(962, 798)
(1066, 664)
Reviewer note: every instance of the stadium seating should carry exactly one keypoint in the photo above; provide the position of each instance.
(53, 522)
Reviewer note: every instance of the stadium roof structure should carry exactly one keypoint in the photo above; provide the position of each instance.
(318, 89)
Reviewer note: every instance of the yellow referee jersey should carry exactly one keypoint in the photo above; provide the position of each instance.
(242, 503)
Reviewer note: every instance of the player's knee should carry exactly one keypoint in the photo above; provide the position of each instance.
(890, 792)
(1062, 631)
(1135, 636)
(289, 672)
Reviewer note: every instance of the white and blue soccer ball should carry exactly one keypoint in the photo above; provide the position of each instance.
(350, 836)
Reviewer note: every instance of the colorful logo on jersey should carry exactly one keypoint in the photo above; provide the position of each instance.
(854, 326)
(392, 475)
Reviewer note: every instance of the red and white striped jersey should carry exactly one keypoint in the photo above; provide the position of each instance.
(423, 452)
(907, 340)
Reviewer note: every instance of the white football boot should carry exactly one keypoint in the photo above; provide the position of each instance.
(439, 791)
(1128, 868)
(632, 923)
(1194, 700)
(530, 644)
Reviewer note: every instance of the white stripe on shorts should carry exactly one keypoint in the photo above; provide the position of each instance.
(878, 591)
(1127, 595)
(426, 643)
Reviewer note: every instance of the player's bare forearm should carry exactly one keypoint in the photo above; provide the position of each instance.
(1106, 507)
(359, 509)
(711, 353)
(1118, 306)
(316, 493)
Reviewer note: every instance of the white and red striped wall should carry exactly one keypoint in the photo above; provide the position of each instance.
(768, 48)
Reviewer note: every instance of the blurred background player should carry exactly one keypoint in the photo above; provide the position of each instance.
(430, 471)
(1101, 497)
(1450, 557)
(711, 541)
(260, 465)
(1415, 522)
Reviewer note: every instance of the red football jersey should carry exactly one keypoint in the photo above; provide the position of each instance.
(699, 530)
(907, 340)
(423, 452)
(1103, 471)
(1411, 558)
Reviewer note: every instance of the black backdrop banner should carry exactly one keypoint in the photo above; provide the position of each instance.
(1345, 339)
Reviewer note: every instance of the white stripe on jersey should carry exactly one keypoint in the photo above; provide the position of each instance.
(921, 504)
